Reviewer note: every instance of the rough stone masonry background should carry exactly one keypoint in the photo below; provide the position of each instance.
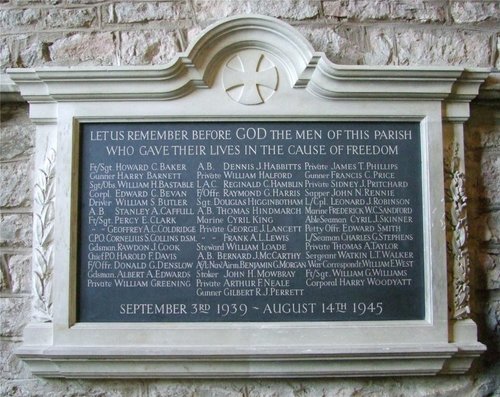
(373, 32)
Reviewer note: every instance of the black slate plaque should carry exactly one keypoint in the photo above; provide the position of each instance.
(250, 221)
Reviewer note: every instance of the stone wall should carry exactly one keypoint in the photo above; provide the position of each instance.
(374, 32)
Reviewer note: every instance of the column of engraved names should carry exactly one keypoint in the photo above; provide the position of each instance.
(362, 235)
(137, 237)
(251, 211)
(355, 225)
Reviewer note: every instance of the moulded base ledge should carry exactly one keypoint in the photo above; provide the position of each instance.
(47, 359)
(59, 362)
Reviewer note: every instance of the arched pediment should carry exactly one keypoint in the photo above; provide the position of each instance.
(240, 33)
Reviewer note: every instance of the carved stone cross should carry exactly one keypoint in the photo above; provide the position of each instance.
(250, 78)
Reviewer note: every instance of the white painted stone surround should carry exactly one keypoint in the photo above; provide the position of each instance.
(307, 87)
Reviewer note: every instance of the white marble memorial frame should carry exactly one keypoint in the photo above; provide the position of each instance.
(297, 83)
